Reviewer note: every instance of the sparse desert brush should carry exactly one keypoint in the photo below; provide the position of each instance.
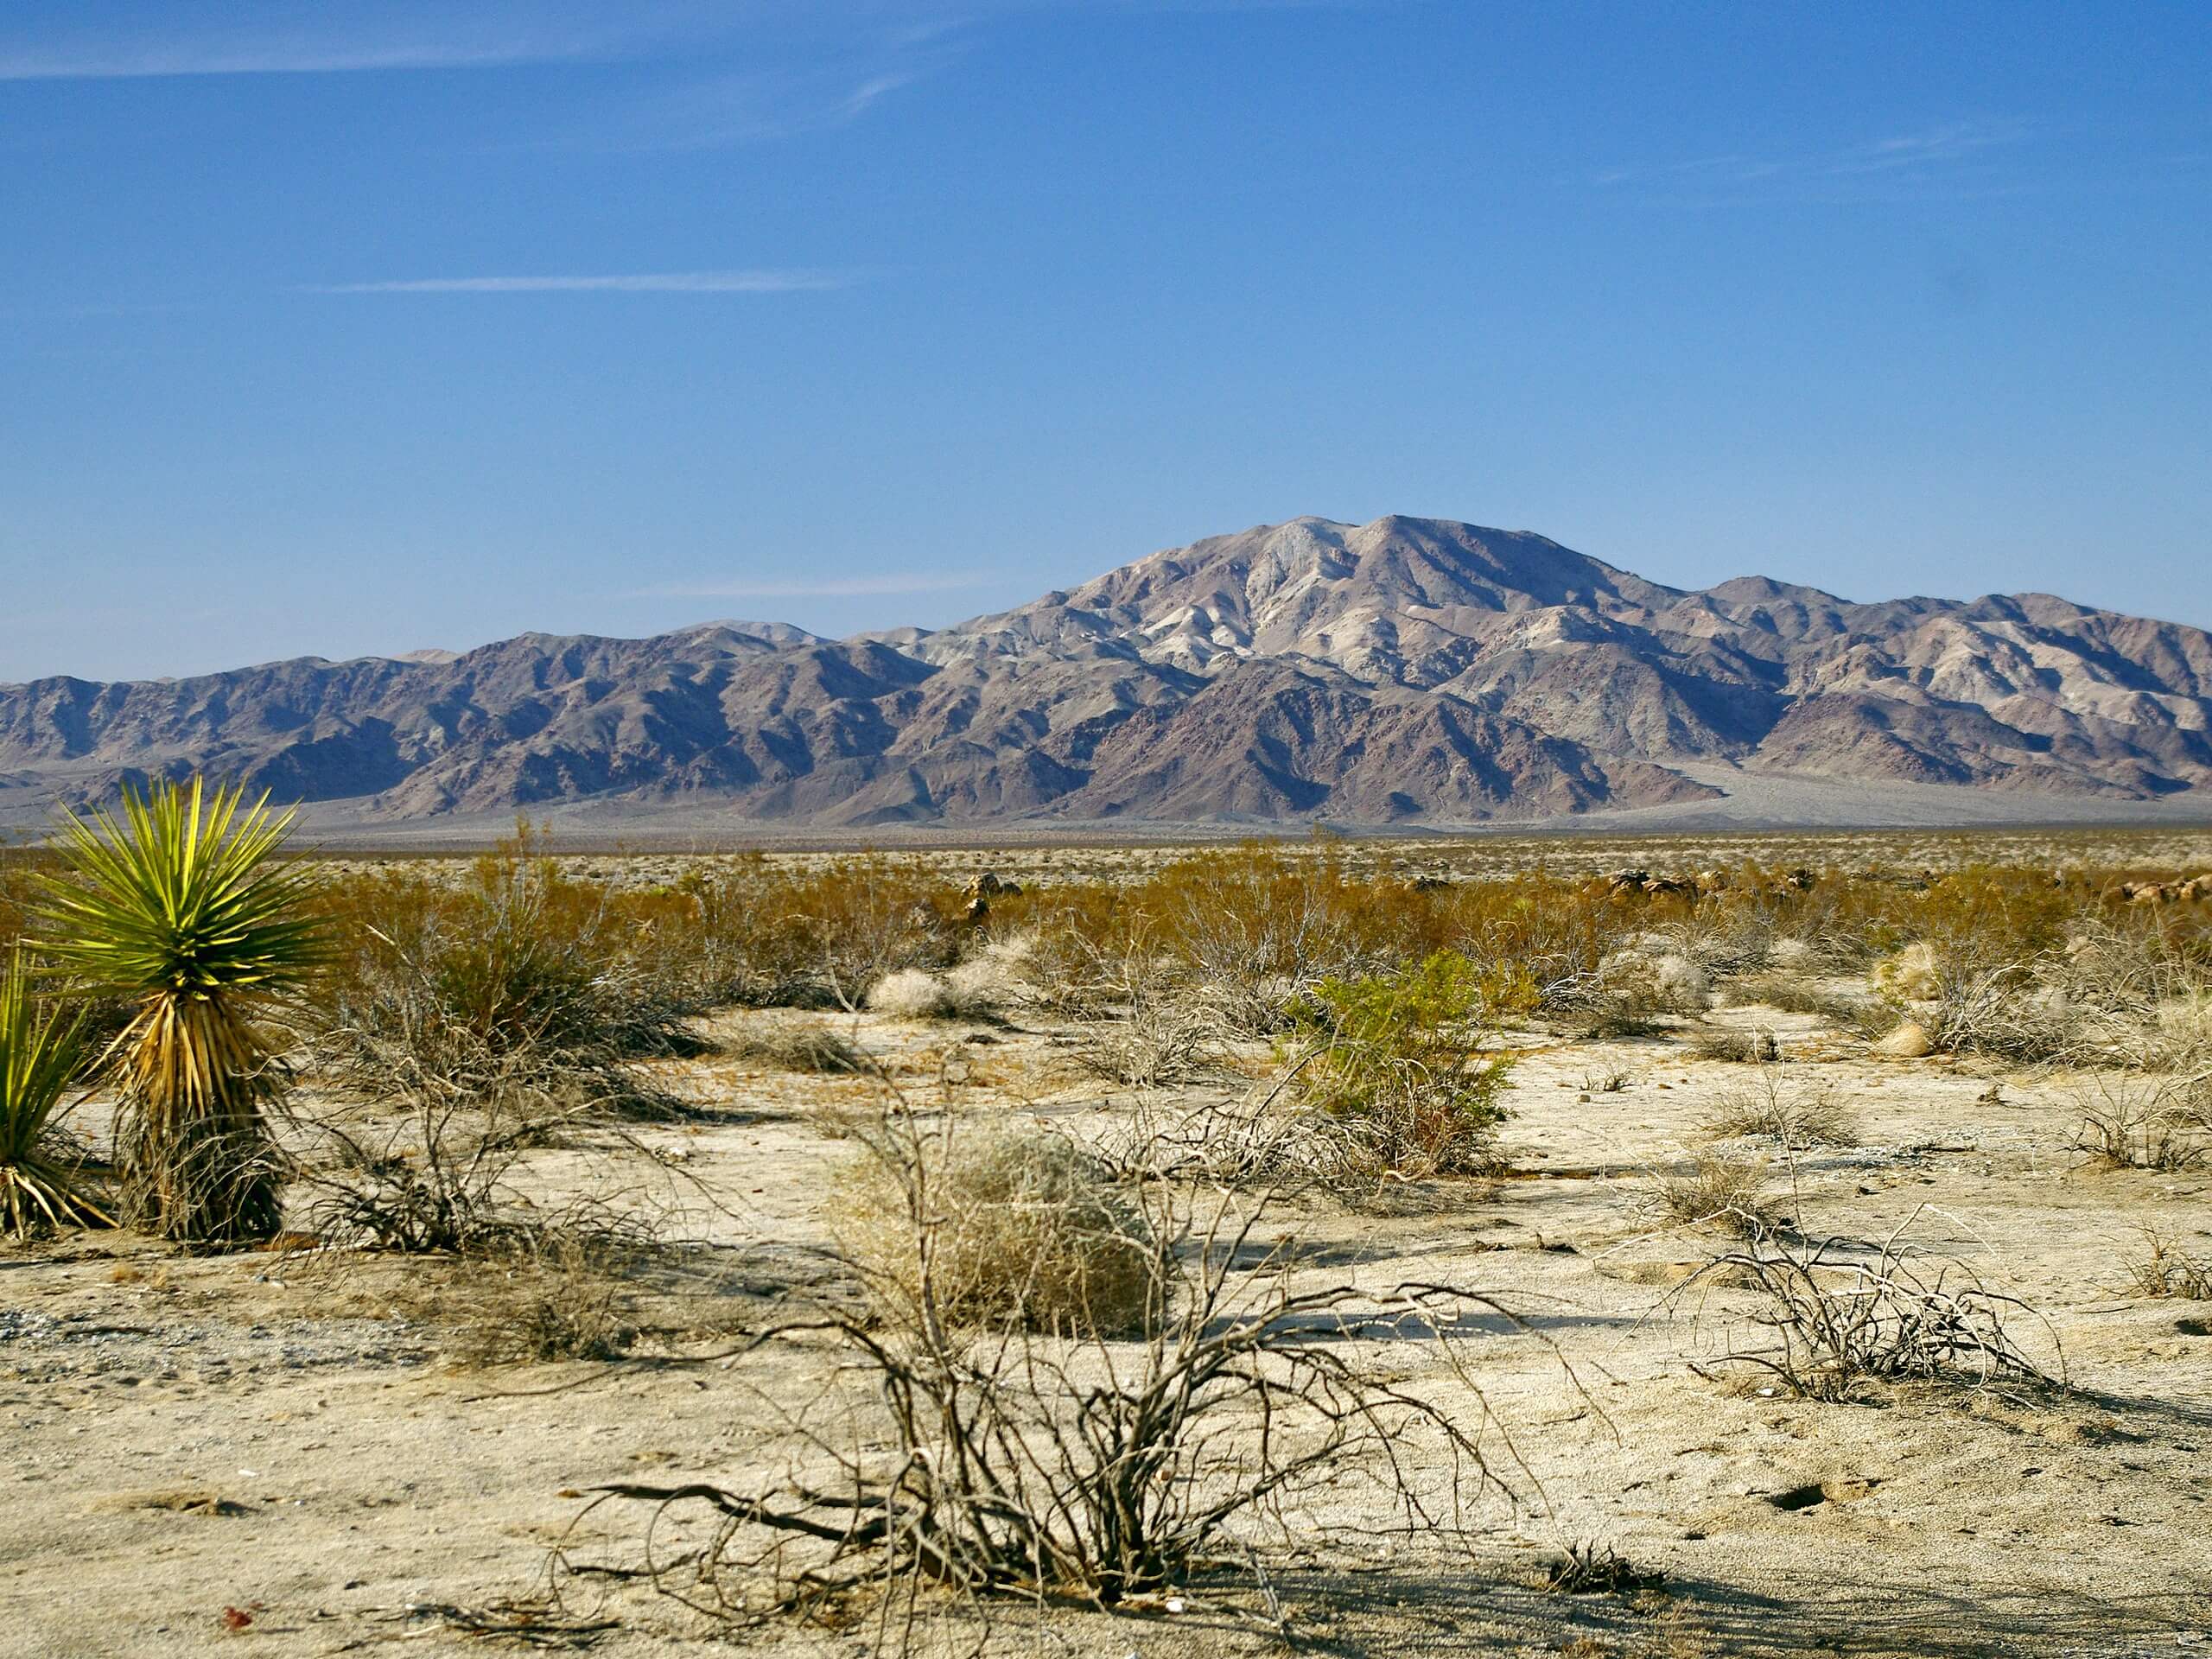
(2166, 1267)
(1719, 1189)
(2144, 1124)
(1400, 1056)
(518, 978)
(42, 1179)
(182, 907)
(1787, 993)
(1799, 1115)
(1006, 1229)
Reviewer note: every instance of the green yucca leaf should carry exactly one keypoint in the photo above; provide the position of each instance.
(180, 906)
(40, 1054)
(179, 895)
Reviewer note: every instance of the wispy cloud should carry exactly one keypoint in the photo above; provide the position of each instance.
(332, 39)
(824, 588)
(1921, 157)
(662, 282)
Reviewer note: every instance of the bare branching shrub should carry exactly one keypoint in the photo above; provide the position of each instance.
(1019, 1228)
(1718, 1191)
(2166, 1269)
(1049, 1468)
(1258, 930)
(1146, 1034)
(2135, 1123)
(1799, 1115)
(1845, 1312)
(1588, 1567)
(1400, 1056)
(1265, 1140)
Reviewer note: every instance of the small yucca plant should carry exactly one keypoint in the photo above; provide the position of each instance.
(179, 908)
(40, 1185)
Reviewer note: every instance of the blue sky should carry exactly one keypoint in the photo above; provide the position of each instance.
(349, 327)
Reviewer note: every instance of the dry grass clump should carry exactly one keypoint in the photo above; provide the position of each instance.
(1741, 1047)
(1023, 1228)
(1721, 1190)
(1800, 1116)
(2165, 1268)
(807, 1048)
(1845, 1313)
(2132, 1123)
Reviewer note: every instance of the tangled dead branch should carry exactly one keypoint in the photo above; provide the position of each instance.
(1845, 1312)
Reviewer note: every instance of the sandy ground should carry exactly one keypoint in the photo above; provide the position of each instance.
(301, 1441)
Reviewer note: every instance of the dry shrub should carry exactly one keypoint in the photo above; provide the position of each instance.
(2165, 1268)
(1023, 1228)
(517, 977)
(974, 991)
(1845, 1312)
(1049, 1468)
(554, 1295)
(802, 1048)
(2129, 1123)
(1723, 1191)
(1591, 1568)
(1801, 1115)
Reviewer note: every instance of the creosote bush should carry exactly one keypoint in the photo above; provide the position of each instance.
(518, 977)
(1400, 1056)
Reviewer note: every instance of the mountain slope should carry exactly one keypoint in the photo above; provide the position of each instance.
(1404, 670)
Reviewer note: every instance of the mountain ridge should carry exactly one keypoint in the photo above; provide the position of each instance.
(1404, 670)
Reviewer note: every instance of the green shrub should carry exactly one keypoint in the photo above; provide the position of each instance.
(1400, 1054)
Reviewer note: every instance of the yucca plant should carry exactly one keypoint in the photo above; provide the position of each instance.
(40, 1051)
(180, 908)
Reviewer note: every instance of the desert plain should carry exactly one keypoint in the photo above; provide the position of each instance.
(325, 1447)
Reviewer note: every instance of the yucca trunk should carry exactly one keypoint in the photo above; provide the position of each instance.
(191, 1137)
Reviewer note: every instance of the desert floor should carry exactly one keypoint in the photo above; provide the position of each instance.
(304, 1440)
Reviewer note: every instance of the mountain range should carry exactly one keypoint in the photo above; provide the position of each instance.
(1409, 671)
